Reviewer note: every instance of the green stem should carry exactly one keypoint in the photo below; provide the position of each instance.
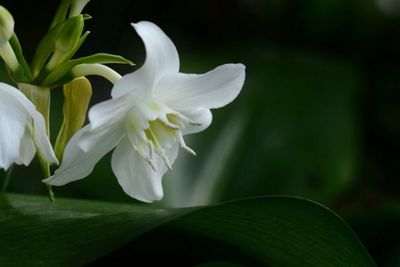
(46, 174)
(7, 179)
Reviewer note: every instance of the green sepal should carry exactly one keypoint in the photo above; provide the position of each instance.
(69, 9)
(86, 16)
(78, 44)
(49, 42)
(40, 97)
(65, 43)
(62, 74)
(61, 13)
(77, 95)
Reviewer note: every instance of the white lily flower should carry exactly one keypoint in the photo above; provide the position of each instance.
(22, 130)
(145, 120)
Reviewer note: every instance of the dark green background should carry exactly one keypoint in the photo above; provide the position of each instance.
(318, 117)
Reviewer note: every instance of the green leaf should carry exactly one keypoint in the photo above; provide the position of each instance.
(277, 231)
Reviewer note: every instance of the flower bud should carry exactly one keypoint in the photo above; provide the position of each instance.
(77, 6)
(6, 26)
(77, 95)
(66, 41)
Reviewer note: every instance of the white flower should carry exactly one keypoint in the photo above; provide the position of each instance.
(22, 130)
(150, 111)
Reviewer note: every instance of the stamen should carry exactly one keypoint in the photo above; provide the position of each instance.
(166, 161)
(183, 145)
(151, 149)
(158, 148)
(167, 123)
(151, 163)
(153, 138)
(148, 158)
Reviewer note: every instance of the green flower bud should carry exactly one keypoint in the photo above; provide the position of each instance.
(69, 35)
(6, 26)
(77, 6)
(65, 41)
(77, 95)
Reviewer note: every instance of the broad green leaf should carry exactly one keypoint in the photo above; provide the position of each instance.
(218, 264)
(277, 231)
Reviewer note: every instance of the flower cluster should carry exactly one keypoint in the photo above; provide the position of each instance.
(144, 122)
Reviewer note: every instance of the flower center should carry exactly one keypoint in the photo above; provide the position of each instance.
(156, 130)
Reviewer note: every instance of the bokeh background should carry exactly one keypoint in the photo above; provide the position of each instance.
(318, 117)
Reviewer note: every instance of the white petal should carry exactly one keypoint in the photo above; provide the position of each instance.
(213, 89)
(17, 97)
(24, 114)
(27, 150)
(200, 118)
(161, 54)
(12, 129)
(41, 139)
(161, 59)
(77, 164)
(109, 111)
(136, 176)
(13, 122)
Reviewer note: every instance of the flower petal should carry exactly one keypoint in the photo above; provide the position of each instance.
(136, 176)
(17, 96)
(161, 59)
(77, 163)
(41, 139)
(109, 111)
(14, 99)
(27, 150)
(200, 118)
(12, 129)
(213, 89)
(13, 123)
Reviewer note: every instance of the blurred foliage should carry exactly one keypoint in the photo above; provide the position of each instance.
(319, 115)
